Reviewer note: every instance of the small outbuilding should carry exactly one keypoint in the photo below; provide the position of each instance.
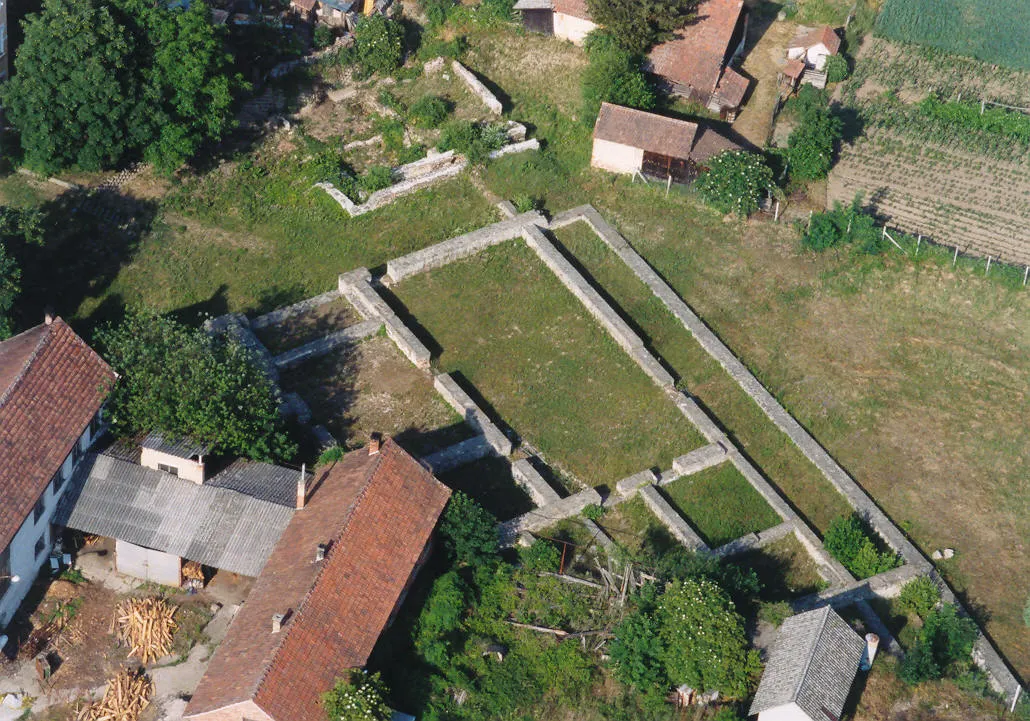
(811, 668)
(631, 141)
(566, 19)
(814, 45)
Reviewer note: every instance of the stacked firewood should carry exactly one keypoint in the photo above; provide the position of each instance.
(193, 571)
(126, 696)
(146, 626)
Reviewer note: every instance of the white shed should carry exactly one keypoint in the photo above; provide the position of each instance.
(814, 45)
(810, 670)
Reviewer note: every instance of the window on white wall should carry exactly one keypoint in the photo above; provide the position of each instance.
(39, 510)
(40, 545)
(58, 480)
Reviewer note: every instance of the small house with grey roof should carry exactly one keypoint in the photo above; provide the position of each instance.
(810, 670)
(161, 502)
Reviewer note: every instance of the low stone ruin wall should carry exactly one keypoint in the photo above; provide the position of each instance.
(476, 86)
(357, 287)
(671, 519)
(314, 349)
(282, 314)
(462, 402)
(534, 484)
(754, 541)
(548, 515)
(460, 454)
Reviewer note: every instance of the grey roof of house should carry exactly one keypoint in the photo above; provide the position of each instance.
(264, 481)
(178, 447)
(813, 664)
(214, 526)
(534, 5)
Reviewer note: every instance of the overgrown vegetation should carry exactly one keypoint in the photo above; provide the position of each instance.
(919, 596)
(849, 540)
(735, 182)
(379, 44)
(359, 697)
(944, 647)
(810, 145)
(182, 382)
(613, 76)
(964, 116)
(99, 83)
(473, 140)
(638, 24)
(845, 224)
(17, 228)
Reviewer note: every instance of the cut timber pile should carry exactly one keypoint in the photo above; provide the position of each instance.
(126, 696)
(146, 625)
(193, 571)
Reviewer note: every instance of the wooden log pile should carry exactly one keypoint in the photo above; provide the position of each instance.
(193, 571)
(126, 696)
(146, 626)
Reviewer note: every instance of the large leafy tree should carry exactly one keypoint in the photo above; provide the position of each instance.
(16, 228)
(810, 145)
(73, 96)
(613, 76)
(639, 24)
(98, 82)
(181, 381)
(469, 531)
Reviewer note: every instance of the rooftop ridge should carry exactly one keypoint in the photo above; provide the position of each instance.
(369, 477)
(40, 344)
(810, 651)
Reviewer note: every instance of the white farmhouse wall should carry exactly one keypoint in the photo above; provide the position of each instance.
(243, 711)
(572, 28)
(787, 712)
(616, 157)
(796, 53)
(816, 56)
(147, 564)
(188, 469)
(25, 562)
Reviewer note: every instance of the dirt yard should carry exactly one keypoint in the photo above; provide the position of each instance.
(764, 56)
(306, 327)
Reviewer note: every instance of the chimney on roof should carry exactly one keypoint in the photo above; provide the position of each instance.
(375, 442)
(872, 642)
(321, 551)
(277, 622)
(48, 315)
(302, 487)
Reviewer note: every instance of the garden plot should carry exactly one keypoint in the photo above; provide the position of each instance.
(369, 387)
(503, 322)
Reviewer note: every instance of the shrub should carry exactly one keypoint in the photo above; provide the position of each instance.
(428, 111)
(613, 76)
(524, 203)
(944, 647)
(844, 224)
(735, 182)
(411, 153)
(439, 48)
(324, 36)
(775, 612)
(441, 615)
(594, 512)
(392, 131)
(379, 44)
(726, 713)
(836, 68)
(810, 145)
(376, 178)
(436, 11)
(387, 99)
(541, 556)
(475, 142)
(704, 644)
(331, 455)
(919, 596)
(325, 167)
(636, 653)
(847, 540)
(360, 697)
(501, 10)
(469, 531)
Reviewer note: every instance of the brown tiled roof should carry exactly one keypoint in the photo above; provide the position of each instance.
(304, 5)
(653, 133)
(575, 8)
(377, 514)
(695, 55)
(710, 143)
(732, 87)
(825, 35)
(794, 69)
(51, 386)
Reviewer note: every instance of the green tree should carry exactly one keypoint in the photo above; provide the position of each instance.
(441, 617)
(181, 381)
(359, 697)
(17, 227)
(637, 653)
(469, 531)
(613, 76)
(74, 95)
(703, 638)
(836, 68)
(735, 182)
(639, 24)
(944, 646)
(379, 44)
(810, 145)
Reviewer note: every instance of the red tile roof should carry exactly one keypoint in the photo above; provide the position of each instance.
(794, 69)
(825, 35)
(304, 5)
(732, 88)
(575, 8)
(710, 143)
(638, 129)
(696, 54)
(51, 386)
(377, 513)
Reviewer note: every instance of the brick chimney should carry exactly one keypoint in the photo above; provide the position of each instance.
(302, 488)
(277, 622)
(375, 442)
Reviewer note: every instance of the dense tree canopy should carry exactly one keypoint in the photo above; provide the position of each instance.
(639, 24)
(16, 227)
(180, 380)
(98, 83)
(469, 531)
(613, 76)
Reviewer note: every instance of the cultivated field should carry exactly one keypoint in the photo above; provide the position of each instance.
(959, 187)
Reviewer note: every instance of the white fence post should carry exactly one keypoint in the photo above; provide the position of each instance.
(954, 261)
(988, 269)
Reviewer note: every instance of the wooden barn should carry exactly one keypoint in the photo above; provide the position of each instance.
(633, 141)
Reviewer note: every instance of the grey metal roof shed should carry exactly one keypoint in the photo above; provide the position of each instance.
(812, 666)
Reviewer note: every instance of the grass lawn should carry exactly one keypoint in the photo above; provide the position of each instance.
(720, 504)
(632, 524)
(785, 569)
(544, 367)
(489, 481)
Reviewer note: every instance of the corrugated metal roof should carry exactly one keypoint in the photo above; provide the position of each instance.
(263, 481)
(534, 5)
(215, 526)
(813, 664)
(178, 447)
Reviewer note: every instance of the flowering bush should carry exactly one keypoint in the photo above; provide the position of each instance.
(735, 182)
(357, 698)
(379, 44)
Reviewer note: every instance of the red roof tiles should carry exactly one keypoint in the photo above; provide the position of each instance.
(659, 134)
(377, 513)
(732, 88)
(575, 8)
(824, 35)
(696, 54)
(51, 386)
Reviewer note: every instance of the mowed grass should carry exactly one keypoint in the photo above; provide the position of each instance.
(544, 367)
(779, 459)
(720, 504)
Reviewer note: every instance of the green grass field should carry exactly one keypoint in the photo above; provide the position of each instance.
(720, 504)
(548, 370)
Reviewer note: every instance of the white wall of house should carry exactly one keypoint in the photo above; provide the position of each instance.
(786, 712)
(243, 711)
(616, 157)
(147, 564)
(27, 557)
(816, 56)
(183, 467)
(572, 28)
